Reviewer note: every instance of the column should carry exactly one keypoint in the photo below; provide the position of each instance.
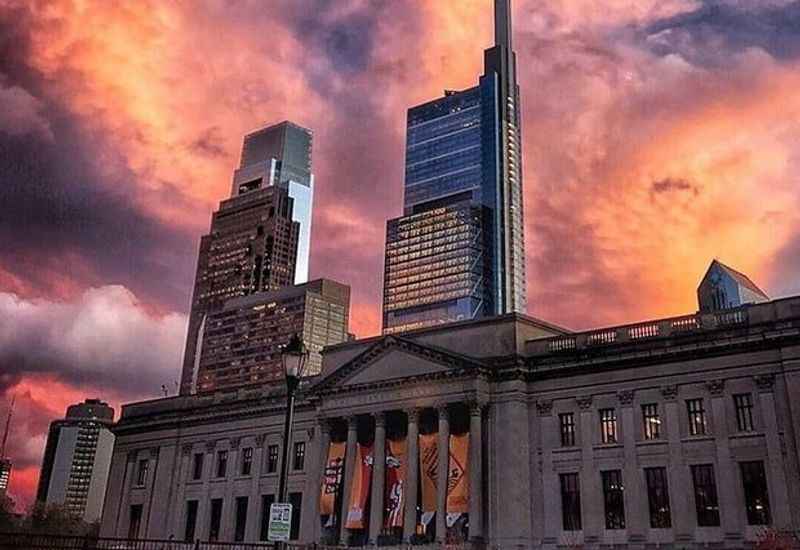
(681, 489)
(179, 510)
(591, 485)
(254, 518)
(638, 519)
(476, 472)
(412, 475)
(442, 469)
(725, 470)
(378, 478)
(349, 468)
(775, 468)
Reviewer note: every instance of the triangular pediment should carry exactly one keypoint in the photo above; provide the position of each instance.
(393, 359)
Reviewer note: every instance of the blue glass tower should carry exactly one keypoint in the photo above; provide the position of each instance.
(458, 251)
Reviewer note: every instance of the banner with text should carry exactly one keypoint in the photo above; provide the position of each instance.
(428, 462)
(458, 475)
(332, 480)
(395, 483)
(359, 490)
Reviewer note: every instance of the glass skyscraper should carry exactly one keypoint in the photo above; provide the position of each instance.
(458, 251)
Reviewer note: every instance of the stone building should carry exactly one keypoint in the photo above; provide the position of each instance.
(679, 432)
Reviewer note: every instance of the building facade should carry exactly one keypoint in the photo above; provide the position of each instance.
(242, 341)
(463, 153)
(675, 433)
(77, 459)
(5, 475)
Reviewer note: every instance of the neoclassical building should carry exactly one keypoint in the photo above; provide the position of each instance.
(678, 432)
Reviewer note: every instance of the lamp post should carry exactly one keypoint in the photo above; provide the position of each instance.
(293, 356)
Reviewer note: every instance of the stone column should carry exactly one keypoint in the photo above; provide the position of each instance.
(412, 475)
(638, 521)
(775, 467)
(349, 468)
(476, 472)
(378, 478)
(681, 489)
(550, 514)
(179, 510)
(253, 531)
(725, 472)
(314, 486)
(443, 466)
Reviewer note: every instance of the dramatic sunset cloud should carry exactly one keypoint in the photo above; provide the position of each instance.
(658, 134)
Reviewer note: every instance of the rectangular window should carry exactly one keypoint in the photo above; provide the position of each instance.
(141, 472)
(658, 497)
(705, 495)
(756, 499)
(567, 423)
(240, 523)
(570, 502)
(215, 519)
(272, 459)
(247, 461)
(614, 499)
(744, 412)
(135, 521)
(191, 520)
(296, 500)
(652, 422)
(222, 463)
(608, 425)
(266, 502)
(197, 466)
(299, 455)
(697, 417)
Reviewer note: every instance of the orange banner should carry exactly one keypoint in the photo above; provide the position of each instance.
(359, 490)
(428, 462)
(458, 475)
(332, 479)
(395, 483)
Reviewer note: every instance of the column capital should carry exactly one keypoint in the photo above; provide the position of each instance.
(187, 449)
(413, 414)
(260, 439)
(715, 387)
(324, 426)
(476, 407)
(380, 419)
(670, 393)
(235, 442)
(625, 397)
(584, 402)
(442, 409)
(352, 422)
(544, 407)
(211, 445)
(764, 382)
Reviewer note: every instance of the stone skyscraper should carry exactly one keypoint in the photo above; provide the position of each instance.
(259, 238)
(458, 251)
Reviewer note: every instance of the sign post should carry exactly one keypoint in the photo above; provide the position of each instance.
(280, 522)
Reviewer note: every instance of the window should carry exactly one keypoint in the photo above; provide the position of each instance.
(652, 422)
(756, 499)
(567, 423)
(197, 466)
(697, 417)
(299, 455)
(222, 463)
(744, 412)
(191, 520)
(135, 521)
(247, 461)
(608, 425)
(296, 500)
(216, 519)
(658, 497)
(614, 499)
(570, 502)
(266, 502)
(141, 472)
(705, 495)
(272, 459)
(240, 523)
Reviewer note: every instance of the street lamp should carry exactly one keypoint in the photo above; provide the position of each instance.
(294, 357)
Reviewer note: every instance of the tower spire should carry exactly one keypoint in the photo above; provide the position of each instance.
(502, 23)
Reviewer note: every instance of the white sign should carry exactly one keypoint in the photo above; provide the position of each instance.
(280, 522)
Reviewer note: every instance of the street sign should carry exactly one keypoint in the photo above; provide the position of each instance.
(280, 522)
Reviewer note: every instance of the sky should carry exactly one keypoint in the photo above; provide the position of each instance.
(657, 135)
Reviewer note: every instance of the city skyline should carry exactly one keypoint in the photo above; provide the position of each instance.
(651, 137)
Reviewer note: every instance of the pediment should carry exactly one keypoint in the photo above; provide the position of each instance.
(393, 359)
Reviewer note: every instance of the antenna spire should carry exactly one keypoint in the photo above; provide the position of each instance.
(8, 427)
(502, 23)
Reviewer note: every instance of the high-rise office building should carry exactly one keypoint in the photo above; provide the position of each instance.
(5, 475)
(255, 236)
(458, 251)
(77, 458)
(242, 342)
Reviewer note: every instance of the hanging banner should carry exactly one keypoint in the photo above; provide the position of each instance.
(359, 490)
(395, 483)
(458, 475)
(332, 478)
(428, 462)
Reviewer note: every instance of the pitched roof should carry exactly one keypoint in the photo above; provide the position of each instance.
(741, 278)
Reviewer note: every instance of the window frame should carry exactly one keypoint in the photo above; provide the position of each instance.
(273, 460)
(221, 469)
(651, 422)
(298, 456)
(570, 484)
(613, 499)
(696, 414)
(566, 426)
(706, 499)
(198, 463)
(754, 479)
(657, 484)
(608, 419)
(246, 462)
(743, 406)
(142, 471)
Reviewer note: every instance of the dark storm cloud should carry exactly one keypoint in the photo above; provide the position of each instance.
(68, 213)
(716, 30)
(672, 184)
